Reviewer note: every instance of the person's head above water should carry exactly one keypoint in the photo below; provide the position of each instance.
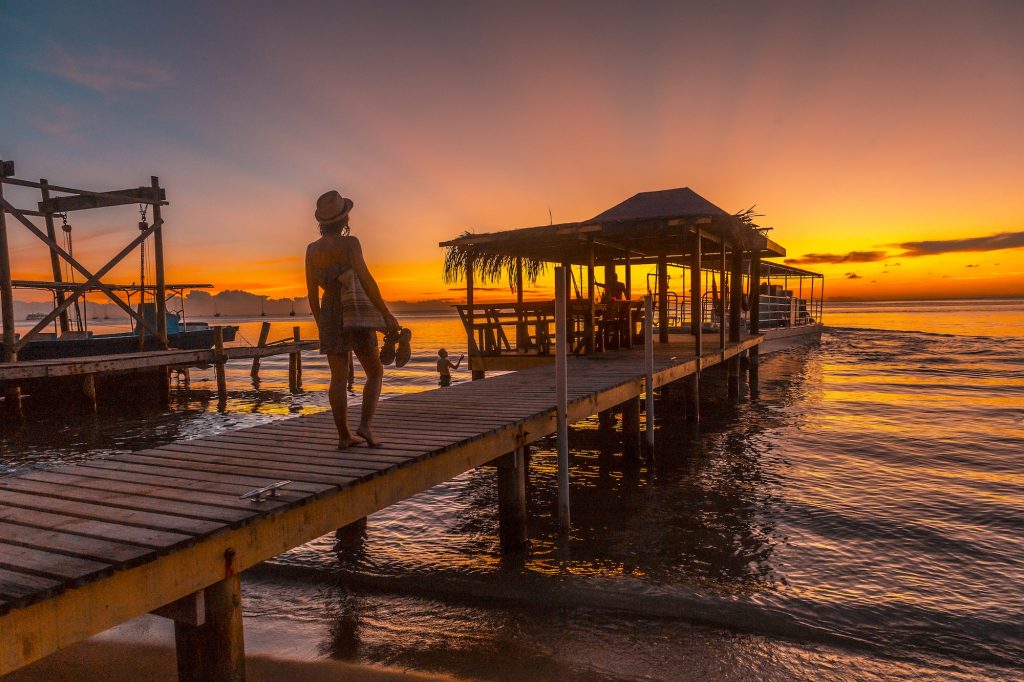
(442, 353)
(332, 211)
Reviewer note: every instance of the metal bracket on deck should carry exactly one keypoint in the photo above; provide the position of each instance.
(261, 494)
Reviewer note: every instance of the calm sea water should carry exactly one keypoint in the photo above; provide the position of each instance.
(862, 519)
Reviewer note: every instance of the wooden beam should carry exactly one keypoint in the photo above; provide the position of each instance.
(158, 254)
(591, 294)
(138, 195)
(662, 300)
(696, 312)
(215, 650)
(6, 289)
(51, 232)
(512, 518)
(736, 300)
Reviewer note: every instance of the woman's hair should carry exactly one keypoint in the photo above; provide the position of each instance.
(338, 227)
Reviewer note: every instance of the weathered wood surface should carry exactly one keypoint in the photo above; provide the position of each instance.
(84, 547)
(38, 369)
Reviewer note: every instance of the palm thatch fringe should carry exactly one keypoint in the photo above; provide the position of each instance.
(488, 267)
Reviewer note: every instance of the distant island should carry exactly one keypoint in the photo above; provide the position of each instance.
(228, 303)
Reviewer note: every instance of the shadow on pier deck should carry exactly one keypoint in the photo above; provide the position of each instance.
(86, 547)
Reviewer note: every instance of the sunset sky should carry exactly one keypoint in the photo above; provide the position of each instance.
(883, 141)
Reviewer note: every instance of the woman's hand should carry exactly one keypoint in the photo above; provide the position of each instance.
(391, 322)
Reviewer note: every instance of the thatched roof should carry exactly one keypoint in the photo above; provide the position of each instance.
(645, 226)
(667, 203)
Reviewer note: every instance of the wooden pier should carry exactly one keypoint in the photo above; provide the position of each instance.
(89, 546)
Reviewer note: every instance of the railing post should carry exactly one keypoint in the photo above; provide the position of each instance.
(562, 401)
(649, 366)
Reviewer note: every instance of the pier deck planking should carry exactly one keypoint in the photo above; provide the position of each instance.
(88, 546)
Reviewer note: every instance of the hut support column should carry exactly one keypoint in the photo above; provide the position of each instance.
(591, 292)
(696, 328)
(562, 400)
(755, 320)
(512, 500)
(351, 535)
(735, 319)
(215, 650)
(471, 346)
(522, 330)
(662, 299)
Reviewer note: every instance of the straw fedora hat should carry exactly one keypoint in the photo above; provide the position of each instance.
(332, 207)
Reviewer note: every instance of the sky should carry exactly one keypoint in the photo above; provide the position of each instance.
(881, 141)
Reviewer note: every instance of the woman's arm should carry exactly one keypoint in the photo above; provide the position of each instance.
(369, 284)
(312, 288)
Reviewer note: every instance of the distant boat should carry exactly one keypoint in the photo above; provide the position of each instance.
(35, 316)
(292, 313)
(184, 336)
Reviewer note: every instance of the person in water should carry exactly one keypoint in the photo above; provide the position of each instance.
(445, 367)
(326, 259)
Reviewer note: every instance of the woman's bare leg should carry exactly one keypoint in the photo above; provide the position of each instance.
(339, 399)
(371, 393)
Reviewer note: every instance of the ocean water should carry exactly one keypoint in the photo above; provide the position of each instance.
(863, 518)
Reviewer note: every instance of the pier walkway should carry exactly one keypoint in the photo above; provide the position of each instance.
(88, 546)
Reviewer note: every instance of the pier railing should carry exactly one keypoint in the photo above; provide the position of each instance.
(530, 328)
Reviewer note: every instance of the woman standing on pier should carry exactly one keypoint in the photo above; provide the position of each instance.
(335, 264)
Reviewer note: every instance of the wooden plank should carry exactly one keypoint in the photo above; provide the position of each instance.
(119, 500)
(156, 487)
(74, 545)
(72, 570)
(201, 476)
(99, 512)
(144, 537)
(291, 467)
(181, 461)
(21, 589)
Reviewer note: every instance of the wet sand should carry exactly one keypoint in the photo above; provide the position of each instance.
(118, 661)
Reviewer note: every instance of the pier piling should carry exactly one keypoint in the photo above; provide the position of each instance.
(562, 400)
(631, 429)
(350, 536)
(649, 366)
(512, 518)
(295, 364)
(215, 650)
(264, 334)
(218, 345)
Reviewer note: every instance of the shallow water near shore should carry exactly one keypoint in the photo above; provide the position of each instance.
(861, 519)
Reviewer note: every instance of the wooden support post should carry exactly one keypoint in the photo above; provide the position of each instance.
(351, 536)
(51, 232)
(591, 293)
(649, 366)
(6, 289)
(297, 359)
(158, 255)
(218, 364)
(522, 330)
(264, 334)
(629, 278)
(471, 346)
(662, 299)
(562, 400)
(605, 419)
(755, 321)
(736, 297)
(692, 396)
(512, 500)
(89, 392)
(696, 309)
(631, 429)
(12, 394)
(722, 293)
(215, 650)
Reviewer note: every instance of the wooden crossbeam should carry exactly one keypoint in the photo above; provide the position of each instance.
(92, 280)
(103, 199)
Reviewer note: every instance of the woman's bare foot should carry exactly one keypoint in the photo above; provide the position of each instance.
(347, 442)
(367, 435)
